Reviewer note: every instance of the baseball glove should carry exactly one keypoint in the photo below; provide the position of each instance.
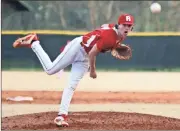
(122, 52)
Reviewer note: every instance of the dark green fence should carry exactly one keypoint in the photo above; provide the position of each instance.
(149, 52)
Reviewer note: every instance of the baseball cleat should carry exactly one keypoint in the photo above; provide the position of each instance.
(60, 121)
(25, 41)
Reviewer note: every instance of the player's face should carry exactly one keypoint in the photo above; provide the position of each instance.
(124, 29)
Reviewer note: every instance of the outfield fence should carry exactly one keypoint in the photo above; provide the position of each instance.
(151, 50)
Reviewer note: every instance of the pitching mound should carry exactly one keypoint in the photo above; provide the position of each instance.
(91, 121)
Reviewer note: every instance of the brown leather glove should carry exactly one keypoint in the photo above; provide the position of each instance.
(122, 52)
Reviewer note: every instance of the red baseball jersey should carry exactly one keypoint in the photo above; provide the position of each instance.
(106, 38)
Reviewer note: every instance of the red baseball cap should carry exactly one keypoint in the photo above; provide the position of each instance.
(126, 19)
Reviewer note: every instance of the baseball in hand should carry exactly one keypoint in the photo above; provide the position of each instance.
(155, 8)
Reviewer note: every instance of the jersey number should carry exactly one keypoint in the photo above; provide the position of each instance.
(89, 41)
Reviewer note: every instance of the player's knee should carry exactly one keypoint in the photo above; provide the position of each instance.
(73, 85)
(72, 88)
(49, 73)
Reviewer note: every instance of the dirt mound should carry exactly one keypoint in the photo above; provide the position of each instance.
(92, 121)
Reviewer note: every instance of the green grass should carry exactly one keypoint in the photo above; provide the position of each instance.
(29, 65)
(106, 69)
(143, 70)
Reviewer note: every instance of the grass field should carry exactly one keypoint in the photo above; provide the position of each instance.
(105, 69)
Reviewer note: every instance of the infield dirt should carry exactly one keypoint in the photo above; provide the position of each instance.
(93, 120)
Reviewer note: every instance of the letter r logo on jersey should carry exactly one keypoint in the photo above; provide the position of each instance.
(128, 18)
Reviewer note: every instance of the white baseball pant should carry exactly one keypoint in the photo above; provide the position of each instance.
(73, 54)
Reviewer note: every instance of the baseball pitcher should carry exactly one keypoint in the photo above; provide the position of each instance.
(81, 53)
